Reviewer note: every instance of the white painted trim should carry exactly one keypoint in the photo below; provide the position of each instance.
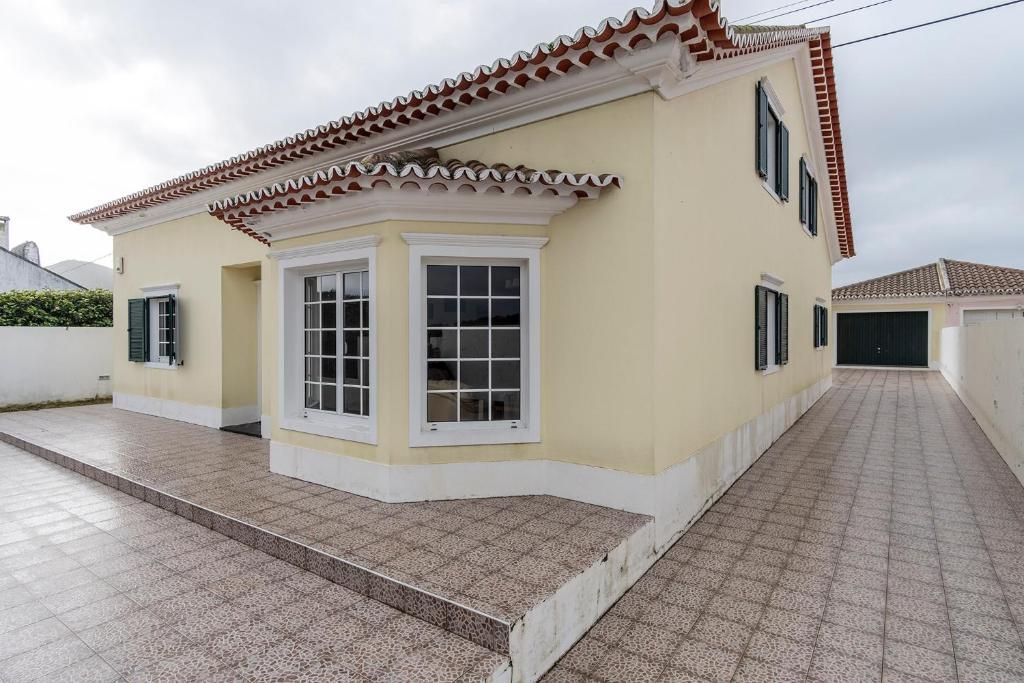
(469, 241)
(425, 247)
(207, 416)
(714, 72)
(293, 265)
(773, 98)
(154, 291)
(835, 327)
(382, 204)
(675, 497)
(895, 301)
(266, 426)
(771, 281)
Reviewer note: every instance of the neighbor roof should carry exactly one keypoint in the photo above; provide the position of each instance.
(711, 37)
(945, 277)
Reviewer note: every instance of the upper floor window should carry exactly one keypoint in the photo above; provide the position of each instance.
(772, 142)
(808, 198)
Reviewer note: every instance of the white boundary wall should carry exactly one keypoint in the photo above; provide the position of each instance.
(40, 364)
(985, 366)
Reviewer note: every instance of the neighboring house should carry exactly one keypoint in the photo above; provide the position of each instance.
(633, 330)
(89, 275)
(896, 320)
(20, 269)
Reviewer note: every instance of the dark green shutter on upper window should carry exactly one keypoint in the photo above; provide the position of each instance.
(824, 326)
(762, 132)
(760, 327)
(803, 190)
(817, 325)
(172, 343)
(782, 322)
(138, 332)
(812, 205)
(782, 163)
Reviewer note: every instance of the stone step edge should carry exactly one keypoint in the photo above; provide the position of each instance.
(466, 622)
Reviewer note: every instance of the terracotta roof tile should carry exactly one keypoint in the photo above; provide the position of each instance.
(943, 278)
(708, 37)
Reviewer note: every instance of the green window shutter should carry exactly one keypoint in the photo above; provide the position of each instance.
(812, 206)
(803, 191)
(762, 132)
(760, 327)
(817, 325)
(782, 163)
(782, 319)
(172, 342)
(824, 326)
(138, 330)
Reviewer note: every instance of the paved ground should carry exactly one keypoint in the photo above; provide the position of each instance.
(499, 556)
(98, 586)
(881, 539)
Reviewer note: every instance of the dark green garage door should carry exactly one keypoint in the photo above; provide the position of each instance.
(899, 339)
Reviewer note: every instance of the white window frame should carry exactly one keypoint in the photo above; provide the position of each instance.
(427, 248)
(775, 111)
(774, 287)
(294, 265)
(153, 295)
(812, 175)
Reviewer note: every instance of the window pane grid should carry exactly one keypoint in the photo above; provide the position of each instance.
(319, 335)
(355, 330)
(473, 340)
(163, 343)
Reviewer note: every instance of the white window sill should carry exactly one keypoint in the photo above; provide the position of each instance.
(474, 436)
(807, 230)
(771, 370)
(341, 427)
(771, 190)
(161, 365)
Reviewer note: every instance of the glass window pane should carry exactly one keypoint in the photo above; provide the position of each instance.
(313, 369)
(329, 369)
(473, 280)
(504, 312)
(351, 371)
(441, 407)
(364, 378)
(352, 286)
(473, 375)
(505, 343)
(313, 396)
(312, 343)
(329, 343)
(442, 374)
(505, 405)
(442, 280)
(350, 400)
(441, 312)
(311, 290)
(312, 317)
(366, 401)
(351, 347)
(505, 374)
(329, 315)
(366, 283)
(329, 396)
(473, 407)
(365, 322)
(351, 314)
(364, 347)
(473, 343)
(328, 287)
(441, 343)
(472, 312)
(505, 281)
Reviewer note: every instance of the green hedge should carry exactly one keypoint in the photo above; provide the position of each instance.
(55, 308)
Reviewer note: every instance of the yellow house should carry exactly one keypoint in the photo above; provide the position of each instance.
(897, 319)
(412, 312)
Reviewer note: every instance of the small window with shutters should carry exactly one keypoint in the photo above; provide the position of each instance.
(808, 199)
(153, 328)
(772, 146)
(771, 328)
(820, 326)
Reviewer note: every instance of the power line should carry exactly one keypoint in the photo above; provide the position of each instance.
(849, 11)
(87, 263)
(793, 11)
(773, 9)
(928, 23)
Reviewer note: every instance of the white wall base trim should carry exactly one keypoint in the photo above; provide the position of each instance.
(265, 426)
(674, 497)
(207, 416)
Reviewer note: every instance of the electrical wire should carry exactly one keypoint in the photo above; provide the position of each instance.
(86, 263)
(793, 11)
(849, 11)
(773, 9)
(928, 23)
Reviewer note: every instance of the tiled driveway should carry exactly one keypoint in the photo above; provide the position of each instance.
(98, 586)
(882, 538)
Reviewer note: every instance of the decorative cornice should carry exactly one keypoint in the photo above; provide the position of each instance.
(449, 240)
(335, 247)
(769, 280)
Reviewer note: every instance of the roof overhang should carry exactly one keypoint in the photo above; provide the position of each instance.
(355, 194)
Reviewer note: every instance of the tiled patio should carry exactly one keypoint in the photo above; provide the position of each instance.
(96, 585)
(882, 538)
(471, 566)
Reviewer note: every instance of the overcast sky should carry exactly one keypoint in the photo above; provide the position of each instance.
(99, 98)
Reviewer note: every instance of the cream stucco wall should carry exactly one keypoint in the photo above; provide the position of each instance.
(191, 252)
